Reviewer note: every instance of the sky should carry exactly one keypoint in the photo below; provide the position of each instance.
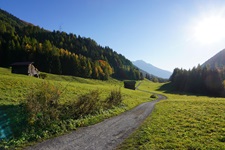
(165, 33)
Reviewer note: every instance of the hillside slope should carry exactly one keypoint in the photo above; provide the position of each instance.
(59, 52)
(14, 90)
(152, 69)
(217, 61)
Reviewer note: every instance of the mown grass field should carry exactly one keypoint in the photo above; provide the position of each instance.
(181, 122)
(14, 89)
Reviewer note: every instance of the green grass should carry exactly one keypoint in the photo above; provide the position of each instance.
(150, 86)
(182, 122)
(14, 89)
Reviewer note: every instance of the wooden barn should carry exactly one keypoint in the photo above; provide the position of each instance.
(129, 84)
(26, 68)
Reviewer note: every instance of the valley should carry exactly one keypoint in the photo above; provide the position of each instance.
(15, 89)
(180, 122)
(183, 121)
(80, 101)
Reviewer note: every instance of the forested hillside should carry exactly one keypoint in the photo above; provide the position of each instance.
(217, 61)
(59, 52)
(207, 79)
(199, 80)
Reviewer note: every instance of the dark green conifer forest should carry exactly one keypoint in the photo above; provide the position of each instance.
(199, 80)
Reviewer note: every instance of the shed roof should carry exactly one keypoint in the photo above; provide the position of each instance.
(21, 63)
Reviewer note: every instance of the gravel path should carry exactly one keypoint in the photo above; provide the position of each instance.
(102, 136)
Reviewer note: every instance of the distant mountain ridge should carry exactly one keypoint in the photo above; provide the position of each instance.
(149, 68)
(217, 61)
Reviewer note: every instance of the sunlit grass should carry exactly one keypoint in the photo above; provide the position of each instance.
(182, 122)
(15, 88)
(150, 86)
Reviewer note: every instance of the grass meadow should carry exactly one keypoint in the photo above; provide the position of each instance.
(181, 122)
(15, 88)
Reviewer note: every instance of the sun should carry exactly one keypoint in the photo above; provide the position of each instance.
(210, 30)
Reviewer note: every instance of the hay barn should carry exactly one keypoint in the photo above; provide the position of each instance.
(26, 68)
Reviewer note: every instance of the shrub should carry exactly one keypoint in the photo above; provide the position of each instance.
(43, 75)
(89, 103)
(114, 98)
(153, 96)
(42, 105)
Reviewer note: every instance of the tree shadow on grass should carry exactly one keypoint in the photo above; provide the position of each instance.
(12, 121)
(166, 88)
(169, 89)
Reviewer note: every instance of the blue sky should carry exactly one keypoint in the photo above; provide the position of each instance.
(165, 33)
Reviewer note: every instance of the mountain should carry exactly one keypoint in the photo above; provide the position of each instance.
(59, 52)
(152, 69)
(152, 77)
(217, 61)
(207, 79)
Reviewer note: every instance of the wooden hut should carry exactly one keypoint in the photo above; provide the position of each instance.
(26, 68)
(129, 84)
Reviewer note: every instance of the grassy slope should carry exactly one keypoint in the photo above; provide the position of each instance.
(182, 122)
(14, 89)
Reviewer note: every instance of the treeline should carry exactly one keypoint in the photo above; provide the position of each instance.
(199, 80)
(60, 53)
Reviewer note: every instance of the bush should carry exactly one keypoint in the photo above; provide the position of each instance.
(90, 103)
(114, 98)
(86, 104)
(42, 105)
(43, 75)
(153, 96)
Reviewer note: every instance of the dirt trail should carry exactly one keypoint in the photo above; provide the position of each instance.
(102, 136)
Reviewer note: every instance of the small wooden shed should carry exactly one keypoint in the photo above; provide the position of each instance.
(26, 68)
(129, 84)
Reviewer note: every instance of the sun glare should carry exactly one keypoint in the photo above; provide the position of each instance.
(210, 30)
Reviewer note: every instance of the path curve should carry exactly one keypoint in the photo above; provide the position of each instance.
(106, 135)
